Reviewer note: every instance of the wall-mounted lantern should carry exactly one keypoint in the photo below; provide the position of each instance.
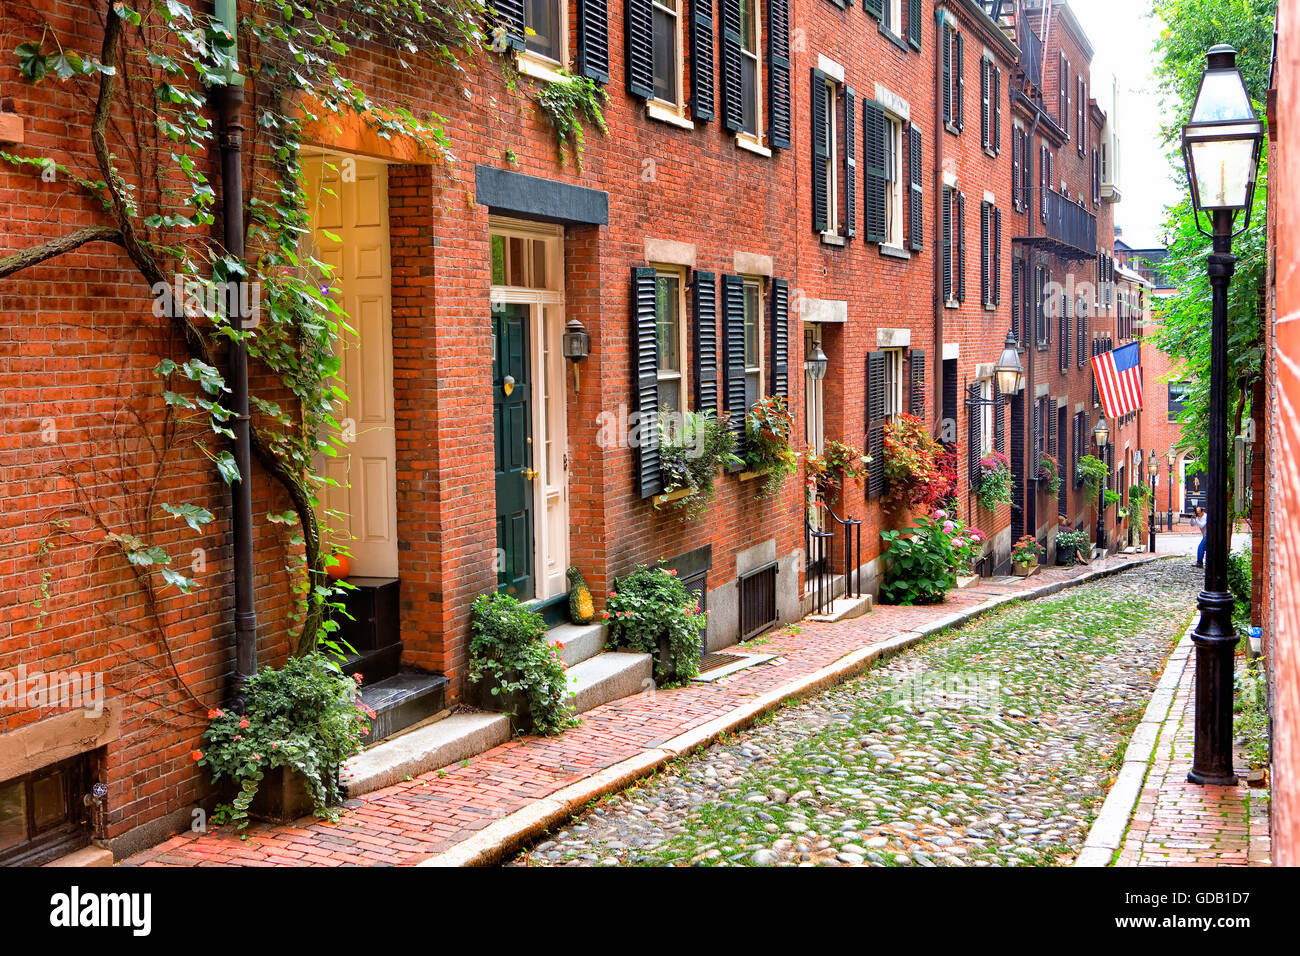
(576, 346)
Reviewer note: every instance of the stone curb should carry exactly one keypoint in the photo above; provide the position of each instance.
(1107, 832)
(507, 834)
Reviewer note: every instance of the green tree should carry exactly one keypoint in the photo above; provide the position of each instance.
(1193, 26)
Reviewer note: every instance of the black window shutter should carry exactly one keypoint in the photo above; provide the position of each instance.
(732, 114)
(974, 433)
(646, 396)
(1081, 333)
(850, 165)
(914, 18)
(986, 292)
(876, 423)
(1082, 136)
(997, 111)
(593, 39)
(947, 244)
(876, 184)
(960, 214)
(1062, 348)
(1016, 148)
(820, 185)
(639, 29)
(778, 73)
(1047, 284)
(1038, 431)
(1076, 448)
(959, 107)
(1051, 429)
(510, 14)
(704, 313)
(947, 75)
(780, 336)
(997, 256)
(999, 433)
(1067, 313)
(874, 8)
(916, 371)
(702, 63)
(1026, 170)
(1096, 177)
(1042, 183)
(916, 221)
(733, 338)
(1017, 270)
(986, 133)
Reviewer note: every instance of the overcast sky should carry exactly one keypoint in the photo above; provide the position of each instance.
(1122, 33)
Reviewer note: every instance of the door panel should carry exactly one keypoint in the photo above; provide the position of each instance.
(355, 210)
(512, 417)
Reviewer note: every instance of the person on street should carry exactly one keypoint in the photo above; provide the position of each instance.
(1200, 520)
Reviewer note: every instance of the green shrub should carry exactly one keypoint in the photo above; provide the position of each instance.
(923, 561)
(768, 428)
(305, 715)
(995, 480)
(1070, 544)
(1239, 583)
(509, 649)
(652, 603)
(691, 456)
(1093, 471)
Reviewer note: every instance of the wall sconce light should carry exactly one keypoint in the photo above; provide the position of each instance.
(576, 346)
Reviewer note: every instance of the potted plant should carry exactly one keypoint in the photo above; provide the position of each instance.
(914, 467)
(651, 611)
(1025, 555)
(922, 561)
(514, 669)
(1072, 547)
(995, 480)
(279, 759)
(768, 452)
(690, 455)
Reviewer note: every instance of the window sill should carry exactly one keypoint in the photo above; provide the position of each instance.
(893, 38)
(955, 130)
(894, 252)
(540, 68)
(952, 304)
(665, 113)
(745, 141)
(833, 239)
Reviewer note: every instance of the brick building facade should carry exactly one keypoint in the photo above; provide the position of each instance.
(898, 183)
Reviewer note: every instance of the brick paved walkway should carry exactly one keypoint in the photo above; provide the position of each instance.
(411, 821)
(1177, 823)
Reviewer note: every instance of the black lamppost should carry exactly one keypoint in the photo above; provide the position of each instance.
(1100, 436)
(1221, 147)
(1153, 468)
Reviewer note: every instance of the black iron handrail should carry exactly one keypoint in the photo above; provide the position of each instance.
(820, 566)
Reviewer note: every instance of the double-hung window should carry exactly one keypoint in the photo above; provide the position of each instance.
(891, 16)
(545, 25)
(895, 210)
(751, 95)
(828, 149)
(893, 384)
(667, 52)
(753, 306)
(670, 339)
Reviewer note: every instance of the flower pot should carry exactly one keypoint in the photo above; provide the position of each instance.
(514, 704)
(677, 495)
(282, 797)
(1024, 570)
(664, 659)
(757, 473)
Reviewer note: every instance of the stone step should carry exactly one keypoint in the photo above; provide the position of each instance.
(406, 698)
(843, 608)
(609, 676)
(578, 642)
(424, 748)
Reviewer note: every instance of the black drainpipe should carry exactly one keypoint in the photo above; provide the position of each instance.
(228, 100)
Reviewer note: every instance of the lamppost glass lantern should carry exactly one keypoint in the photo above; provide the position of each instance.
(1221, 143)
(575, 343)
(1101, 432)
(815, 364)
(1009, 372)
(1153, 464)
(1172, 458)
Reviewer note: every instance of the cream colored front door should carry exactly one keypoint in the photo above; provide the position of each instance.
(348, 197)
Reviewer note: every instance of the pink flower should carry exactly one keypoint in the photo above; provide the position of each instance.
(243, 724)
(604, 615)
(239, 737)
(947, 527)
(613, 594)
(941, 514)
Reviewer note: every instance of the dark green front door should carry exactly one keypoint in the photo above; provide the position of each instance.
(512, 412)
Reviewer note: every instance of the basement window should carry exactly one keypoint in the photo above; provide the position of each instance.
(43, 815)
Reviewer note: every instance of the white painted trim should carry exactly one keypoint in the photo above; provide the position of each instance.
(666, 113)
(893, 103)
(830, 68)
(745, 141)
(950, 179)
(951, 351)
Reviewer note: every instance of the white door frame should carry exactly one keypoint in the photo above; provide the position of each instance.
(550, 421)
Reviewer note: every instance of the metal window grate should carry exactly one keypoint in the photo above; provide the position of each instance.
(757, 600)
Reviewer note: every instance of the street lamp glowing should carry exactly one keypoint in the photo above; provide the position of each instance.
(1221, 143)
(1153, 464)
(1172, 458)
(1009, 372)
(1101, 432)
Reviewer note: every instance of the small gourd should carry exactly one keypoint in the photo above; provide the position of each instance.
(581, 607)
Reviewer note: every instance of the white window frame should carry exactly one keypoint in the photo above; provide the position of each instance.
(892, 19)
(538, 65)
(745, 139)
(671, 111)
(759, 369)
(679, 375)
(895, 208)
(893, 385)
(986, 421)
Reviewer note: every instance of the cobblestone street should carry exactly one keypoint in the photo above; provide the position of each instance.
(989, 746)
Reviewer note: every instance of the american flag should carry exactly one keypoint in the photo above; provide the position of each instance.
(1119, 379)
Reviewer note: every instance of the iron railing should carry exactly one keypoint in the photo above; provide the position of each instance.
(1069, 230)
(820, 574)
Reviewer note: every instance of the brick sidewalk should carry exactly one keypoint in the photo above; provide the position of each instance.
(414, 820)
(1177, 823)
